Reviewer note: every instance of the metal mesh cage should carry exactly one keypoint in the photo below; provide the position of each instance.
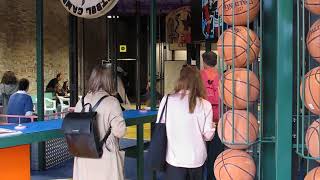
(306, 91)
(56, 152)
(252, 107)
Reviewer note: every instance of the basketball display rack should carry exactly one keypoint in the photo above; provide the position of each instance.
(283, 61)
(253, 109)
(306, 91)
(272, 150)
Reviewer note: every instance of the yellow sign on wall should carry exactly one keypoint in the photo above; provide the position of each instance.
(123, 48)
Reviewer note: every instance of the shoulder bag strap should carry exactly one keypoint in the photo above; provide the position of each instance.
(164, 109)
(82, 101)
(165, 121)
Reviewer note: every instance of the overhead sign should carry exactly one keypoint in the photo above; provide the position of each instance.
(123, 48)
(88, 8)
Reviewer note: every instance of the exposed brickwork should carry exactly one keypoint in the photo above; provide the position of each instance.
(17, 39)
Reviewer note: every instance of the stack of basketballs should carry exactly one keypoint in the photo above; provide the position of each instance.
(240, 45)
(312, 89)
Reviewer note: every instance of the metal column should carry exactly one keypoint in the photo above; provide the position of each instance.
(208, 46)
(138, 105)
(284, 93)
(277, 103)
(189, 53)
(197, 55)
(114, 48)
(73, 59)
(39, 53)
(40, 84)
(153, 55)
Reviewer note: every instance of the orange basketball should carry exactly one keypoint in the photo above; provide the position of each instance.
(312, 90)
(241, 88)
(241, 48)
(312, 139)
(245, 130)
(240, 11)
(234, 164)
(313, 41)
(314, 174)
(313, 6)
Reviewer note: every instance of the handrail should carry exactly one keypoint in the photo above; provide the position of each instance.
(34, 117)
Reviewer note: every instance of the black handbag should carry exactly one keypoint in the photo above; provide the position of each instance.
(158, 145)
(82, 133)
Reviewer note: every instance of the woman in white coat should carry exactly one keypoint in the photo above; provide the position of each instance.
(109, 115)
(189, 124)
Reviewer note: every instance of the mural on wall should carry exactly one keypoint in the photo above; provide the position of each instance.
(210, 19)
(178, 27)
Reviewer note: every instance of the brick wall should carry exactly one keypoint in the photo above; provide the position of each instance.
(17, 40)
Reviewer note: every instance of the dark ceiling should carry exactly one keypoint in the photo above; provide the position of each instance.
(164, 6)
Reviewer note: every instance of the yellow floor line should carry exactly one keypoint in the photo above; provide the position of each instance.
(132, 132)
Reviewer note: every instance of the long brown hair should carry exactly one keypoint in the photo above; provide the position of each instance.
(101, 79)
(190, 80)
(9, 78)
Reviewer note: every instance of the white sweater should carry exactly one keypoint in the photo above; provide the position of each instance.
(187, 132)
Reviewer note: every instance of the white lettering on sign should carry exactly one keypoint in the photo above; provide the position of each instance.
(88, 8)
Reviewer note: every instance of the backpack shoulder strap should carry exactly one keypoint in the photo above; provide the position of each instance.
(105, 138)
(85, 104)
(94, 108)
(101, 143)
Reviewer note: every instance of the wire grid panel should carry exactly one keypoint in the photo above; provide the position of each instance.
(245, 28)
(56, 152)
(307, 86)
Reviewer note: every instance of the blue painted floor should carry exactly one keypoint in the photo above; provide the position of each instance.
(64, 171)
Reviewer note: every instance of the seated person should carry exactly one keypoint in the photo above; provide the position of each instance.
(20, 103)
(54, 85)
(65, 87)
(59, 91)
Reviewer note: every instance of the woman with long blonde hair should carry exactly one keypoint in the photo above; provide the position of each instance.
(189, 124)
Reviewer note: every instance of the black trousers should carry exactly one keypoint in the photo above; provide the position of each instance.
(178, 173)
(214, 148)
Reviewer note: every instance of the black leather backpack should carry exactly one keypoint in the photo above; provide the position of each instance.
(82, 132)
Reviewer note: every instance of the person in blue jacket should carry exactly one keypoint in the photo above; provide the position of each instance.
(20, 103)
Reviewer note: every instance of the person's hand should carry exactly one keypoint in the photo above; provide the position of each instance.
(214, 126)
